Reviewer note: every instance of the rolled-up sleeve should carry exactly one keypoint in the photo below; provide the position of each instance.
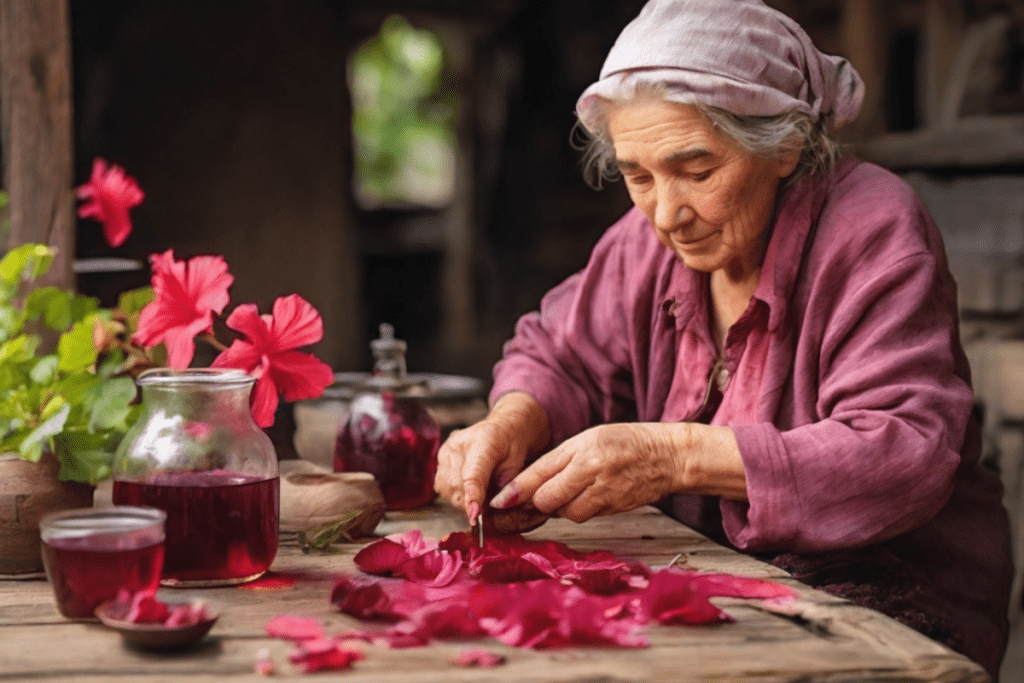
(573, 355)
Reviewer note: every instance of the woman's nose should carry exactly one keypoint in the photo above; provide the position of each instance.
(671, 211)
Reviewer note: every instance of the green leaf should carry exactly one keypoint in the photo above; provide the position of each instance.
(134, 300)
(45, 370)
(112, 403)
(75, 347)
(11, 322)
(51, 303)
(20, 349)
(85, 456)
(32, 447)
(75, 386)
(82, 306)
(28, 261)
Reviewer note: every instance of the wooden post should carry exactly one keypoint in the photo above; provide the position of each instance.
(35, 127)
(459, 335)
(866, 34)
(944, 29)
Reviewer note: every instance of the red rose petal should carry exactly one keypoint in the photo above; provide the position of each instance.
(294, 628)
(536, 594)
(382, 557)
(674, 598)
(434, 568)
(742, 587)
(189, 614)
(323, 654)
(474, 656)
(146, 609)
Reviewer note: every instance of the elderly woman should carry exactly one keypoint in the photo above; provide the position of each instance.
(766, 345)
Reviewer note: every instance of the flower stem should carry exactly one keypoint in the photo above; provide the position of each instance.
(213, 341)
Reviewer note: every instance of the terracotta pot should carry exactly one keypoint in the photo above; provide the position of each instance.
(27, 492)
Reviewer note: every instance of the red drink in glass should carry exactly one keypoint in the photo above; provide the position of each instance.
(396, 441)
(222, 527)
(92, 554)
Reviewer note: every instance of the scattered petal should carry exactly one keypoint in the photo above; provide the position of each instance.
(475, 656)
(264, 664)
(323, 654)
(146, 609)
(382, 557)
(524, 593)
(188, 614)
(294, 628)
(435, 568)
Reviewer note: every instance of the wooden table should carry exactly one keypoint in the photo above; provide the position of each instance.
(831, 641)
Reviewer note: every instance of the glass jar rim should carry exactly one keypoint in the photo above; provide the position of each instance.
(204, 377)
(99, 519)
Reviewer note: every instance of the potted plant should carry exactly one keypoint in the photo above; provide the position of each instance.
(62, 409)
(66, 405)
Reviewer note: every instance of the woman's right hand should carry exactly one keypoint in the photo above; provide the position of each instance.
(496, 448)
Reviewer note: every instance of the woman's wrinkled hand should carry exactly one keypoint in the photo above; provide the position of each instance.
(493, 449)
(603, 470)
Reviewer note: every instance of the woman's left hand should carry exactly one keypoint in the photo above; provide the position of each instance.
(605, 469)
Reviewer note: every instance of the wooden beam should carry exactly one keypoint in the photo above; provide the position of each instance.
(866, 31)
(36, 127)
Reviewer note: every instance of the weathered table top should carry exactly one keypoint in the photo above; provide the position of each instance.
(832, 640)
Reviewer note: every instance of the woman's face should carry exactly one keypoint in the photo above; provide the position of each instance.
(709, 200)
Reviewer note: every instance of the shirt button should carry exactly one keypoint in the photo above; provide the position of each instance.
(722, 378)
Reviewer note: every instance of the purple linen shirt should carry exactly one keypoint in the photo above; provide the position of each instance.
(848, 391)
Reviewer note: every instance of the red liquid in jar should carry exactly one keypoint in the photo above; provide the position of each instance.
(396, 441)
(88, 570)
(221, 526)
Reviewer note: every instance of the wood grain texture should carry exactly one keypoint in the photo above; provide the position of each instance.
(36, 127)
(830, 640)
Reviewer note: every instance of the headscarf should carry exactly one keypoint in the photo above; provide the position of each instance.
(738, 55)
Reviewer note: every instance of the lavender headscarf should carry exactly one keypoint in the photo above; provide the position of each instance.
(737, 55)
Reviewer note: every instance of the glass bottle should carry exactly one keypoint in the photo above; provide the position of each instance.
(197, 454)
(387, 431)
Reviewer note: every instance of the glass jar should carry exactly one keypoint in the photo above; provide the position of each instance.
(197, 455)
(387, 431)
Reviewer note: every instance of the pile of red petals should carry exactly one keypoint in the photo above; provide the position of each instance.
(534, 594)
(146, 608)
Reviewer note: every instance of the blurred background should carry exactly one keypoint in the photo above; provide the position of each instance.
(410, 162)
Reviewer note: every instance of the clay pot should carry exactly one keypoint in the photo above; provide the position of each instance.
(27, 492)
(312, 497)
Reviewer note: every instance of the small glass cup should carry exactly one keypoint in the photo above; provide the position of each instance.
(91, 554)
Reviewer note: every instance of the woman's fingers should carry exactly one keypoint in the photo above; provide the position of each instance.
(480, 459)
(548, 471)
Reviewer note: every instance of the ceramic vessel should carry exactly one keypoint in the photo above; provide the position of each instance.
(27, 492)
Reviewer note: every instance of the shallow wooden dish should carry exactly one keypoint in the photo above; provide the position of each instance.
(153, 636)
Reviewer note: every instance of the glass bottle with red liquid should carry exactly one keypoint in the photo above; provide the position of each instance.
(197, 454)
(387, 431)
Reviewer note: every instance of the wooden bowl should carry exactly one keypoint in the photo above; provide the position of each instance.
(153, 636)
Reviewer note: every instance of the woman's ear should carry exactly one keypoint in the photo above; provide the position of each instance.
(787, 162)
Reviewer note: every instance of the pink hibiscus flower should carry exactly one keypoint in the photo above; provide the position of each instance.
(267, 352)
(110, 194)
(187, 297)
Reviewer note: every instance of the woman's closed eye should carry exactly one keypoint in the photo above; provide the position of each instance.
(638, 179)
